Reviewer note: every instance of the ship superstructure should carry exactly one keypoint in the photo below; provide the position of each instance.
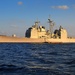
(40, 31)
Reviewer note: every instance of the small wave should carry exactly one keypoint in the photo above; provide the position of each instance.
(10, 67)
(70, 62)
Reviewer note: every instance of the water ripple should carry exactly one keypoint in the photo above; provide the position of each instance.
(37, 59)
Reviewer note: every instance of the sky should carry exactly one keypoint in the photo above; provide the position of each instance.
(16, 16)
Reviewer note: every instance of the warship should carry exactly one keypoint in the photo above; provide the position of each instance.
(39, 34)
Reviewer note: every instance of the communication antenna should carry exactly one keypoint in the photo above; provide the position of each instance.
(36, 23)
(51, 25)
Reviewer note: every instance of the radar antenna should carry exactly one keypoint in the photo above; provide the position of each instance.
(36, 23)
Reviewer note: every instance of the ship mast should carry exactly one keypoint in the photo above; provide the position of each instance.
(51, 25)
(36, 23)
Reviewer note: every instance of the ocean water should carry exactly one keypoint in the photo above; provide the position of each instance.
(37, 59)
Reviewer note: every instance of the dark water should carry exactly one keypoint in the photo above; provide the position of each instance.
(37, 59)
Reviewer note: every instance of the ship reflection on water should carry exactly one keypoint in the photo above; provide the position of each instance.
(37, 59)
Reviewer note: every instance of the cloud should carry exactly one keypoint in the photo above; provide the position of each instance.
(64, 7)
(73, 6)
(20, 3)
(2, 32)
(14, 26)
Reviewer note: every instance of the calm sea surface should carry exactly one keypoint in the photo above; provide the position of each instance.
(37, 59)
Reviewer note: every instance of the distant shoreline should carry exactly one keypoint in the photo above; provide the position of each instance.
(9, 39)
